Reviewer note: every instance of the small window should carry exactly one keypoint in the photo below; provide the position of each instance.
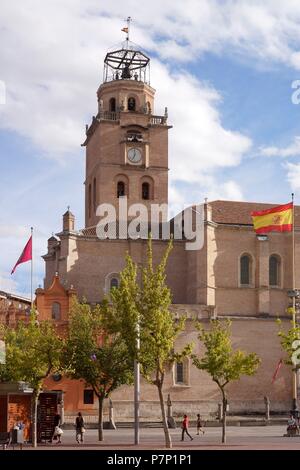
(56, 313)
(114, 283)
(179, 375)
(112, 105)
(88, 397)
(56, 377)
(274, 265)
(131, 104)
(120, 189)
(245, 268)
(145, 191)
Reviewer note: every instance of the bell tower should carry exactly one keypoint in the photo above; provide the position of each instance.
(126, 143)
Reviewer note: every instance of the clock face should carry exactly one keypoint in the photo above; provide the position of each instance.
(134, 155)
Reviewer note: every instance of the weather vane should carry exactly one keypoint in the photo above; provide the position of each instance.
(126, 29)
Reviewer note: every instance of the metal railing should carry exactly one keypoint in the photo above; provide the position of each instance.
(109, 115)
(158, 120)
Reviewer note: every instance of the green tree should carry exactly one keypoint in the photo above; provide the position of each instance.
(33, 351)
(144, 311)
(101, 360)
(222, 363)
(290, 342)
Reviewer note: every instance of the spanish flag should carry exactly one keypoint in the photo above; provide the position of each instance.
(276, 219)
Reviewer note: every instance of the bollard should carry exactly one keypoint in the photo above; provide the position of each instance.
(170, 419)
(220, 411)
(110, 424)
(111, 415)
(267, 408)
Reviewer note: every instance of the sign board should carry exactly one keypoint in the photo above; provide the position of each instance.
(2, 352)
(293, 293)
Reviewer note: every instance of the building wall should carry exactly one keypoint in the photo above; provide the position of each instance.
(200, 393)
(87, 262)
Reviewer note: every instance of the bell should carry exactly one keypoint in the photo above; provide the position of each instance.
(126, 72)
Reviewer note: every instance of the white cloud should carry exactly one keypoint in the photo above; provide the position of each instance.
(292, 150)
(293, 175)
(208, 187)
(198, 143)
(52, 62)
(7, 284)
(265, 31)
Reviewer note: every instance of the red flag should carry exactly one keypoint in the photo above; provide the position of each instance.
(277, 371)
(26, 254)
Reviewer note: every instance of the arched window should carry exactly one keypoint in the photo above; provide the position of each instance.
(245, 270)
(56, 311)
(120, 189)
(114, 283)
(181, 372)
(94, 194)
(90, 200)
(131, 104)
(112, 105)
(274, 271)
(145, 191)
(179, 376)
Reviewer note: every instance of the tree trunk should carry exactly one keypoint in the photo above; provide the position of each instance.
(164, 418)
(100, 419)
(34, 402)
(224, 417)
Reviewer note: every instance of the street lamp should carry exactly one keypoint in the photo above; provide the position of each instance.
(294, 294)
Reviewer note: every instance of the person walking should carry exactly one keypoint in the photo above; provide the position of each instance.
(79, 424)
(199, 425)
(56, 424)
(185, 428)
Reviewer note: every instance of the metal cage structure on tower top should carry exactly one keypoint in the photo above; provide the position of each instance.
(126, 64)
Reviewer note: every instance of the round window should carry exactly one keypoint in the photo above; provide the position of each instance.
(56, 377)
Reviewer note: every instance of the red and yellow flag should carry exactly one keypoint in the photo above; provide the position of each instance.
(276, 219)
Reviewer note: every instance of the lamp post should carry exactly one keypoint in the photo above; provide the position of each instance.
(137, 391)
(294, 294)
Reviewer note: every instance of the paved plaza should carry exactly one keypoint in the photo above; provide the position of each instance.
(238, 438)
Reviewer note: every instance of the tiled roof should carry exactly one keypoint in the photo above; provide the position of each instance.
(239, 213)
(89, 231)
(225, 212)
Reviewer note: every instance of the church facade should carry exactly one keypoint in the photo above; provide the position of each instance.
(233, 275)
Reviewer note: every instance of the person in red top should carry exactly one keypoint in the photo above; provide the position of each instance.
(185, 428)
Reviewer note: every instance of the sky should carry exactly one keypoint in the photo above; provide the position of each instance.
(224, 68)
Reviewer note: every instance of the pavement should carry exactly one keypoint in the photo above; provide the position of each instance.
(238, 438)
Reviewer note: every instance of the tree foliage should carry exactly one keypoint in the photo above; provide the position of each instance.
(220, 361)
(287, 339)
(33, 351)
(100, 359)
(140, 309)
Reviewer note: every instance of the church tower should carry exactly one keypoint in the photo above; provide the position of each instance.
(126, 144)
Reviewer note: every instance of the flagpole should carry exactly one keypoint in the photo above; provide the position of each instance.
(137, 386)
(31, 270)
(294, 405)
(128, 30)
